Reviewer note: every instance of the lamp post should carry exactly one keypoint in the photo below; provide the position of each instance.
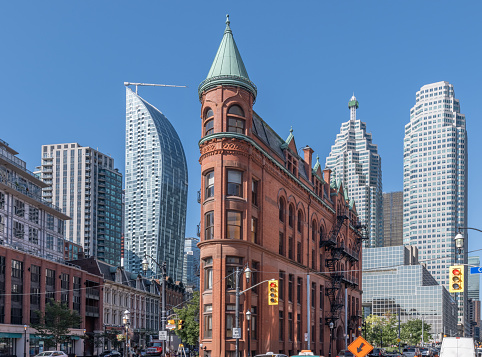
(83, 340)
(163, 267)
(126, 321)
(459, 244)
(248, 318)
(238, 274)
(331, 337)
(25, 341)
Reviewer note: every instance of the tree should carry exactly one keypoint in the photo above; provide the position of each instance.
(55, 323)
(412, 332)
(381, 329)
(189, 314)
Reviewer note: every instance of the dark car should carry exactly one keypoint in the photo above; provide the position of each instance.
(376, 352)
(345, 353)
(112, 353)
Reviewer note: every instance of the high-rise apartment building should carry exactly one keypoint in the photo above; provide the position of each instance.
(155, 190)
(190, 274)
(354, 161)
(392, 219)
(28, 222)
(435, 182)
(84, 184)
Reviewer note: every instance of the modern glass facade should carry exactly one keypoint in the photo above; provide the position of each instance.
(354, 161)
(84, 182)
(435, 182)
(190, 276)
(474, 279)
(394, 282)
(155, 189)
(392, 219)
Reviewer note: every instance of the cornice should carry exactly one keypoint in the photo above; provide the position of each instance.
(207, 152)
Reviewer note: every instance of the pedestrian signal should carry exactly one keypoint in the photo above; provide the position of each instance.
(180, 324)
(456, 279)
(273, 292)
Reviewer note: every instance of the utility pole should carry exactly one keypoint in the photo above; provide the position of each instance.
(236, 321)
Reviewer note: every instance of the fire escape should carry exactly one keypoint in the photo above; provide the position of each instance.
(339, 251)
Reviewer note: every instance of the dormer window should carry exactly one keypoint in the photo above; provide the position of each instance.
(209, 122)
(236, 121)
(291, 164)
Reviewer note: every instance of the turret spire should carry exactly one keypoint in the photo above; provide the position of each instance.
(353, 105)
(228, 67)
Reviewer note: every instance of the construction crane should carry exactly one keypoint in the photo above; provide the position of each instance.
(151, 85)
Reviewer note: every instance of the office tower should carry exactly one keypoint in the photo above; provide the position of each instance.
(265, 206)
(473, 291)
(395, 282)
(155, 190)
(83, 182)
(392, 219)
(435, 181)
(190, 274)
(354, 161)
(28, 222)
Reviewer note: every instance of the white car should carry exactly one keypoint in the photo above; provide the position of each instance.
(51, 354)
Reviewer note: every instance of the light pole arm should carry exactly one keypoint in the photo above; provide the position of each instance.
(475, 229)
(242, 292)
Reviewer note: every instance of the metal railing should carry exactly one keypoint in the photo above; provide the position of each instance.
(22, 189)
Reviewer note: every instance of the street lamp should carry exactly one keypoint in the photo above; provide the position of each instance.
(238, 274)
(331, 337)
(126, 321)
(25, 341)
(163, 267)
(248, 318)
(84, 341)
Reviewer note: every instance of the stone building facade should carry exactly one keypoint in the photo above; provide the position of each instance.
(265, 207)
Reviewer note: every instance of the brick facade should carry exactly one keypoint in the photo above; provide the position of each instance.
(266, 207)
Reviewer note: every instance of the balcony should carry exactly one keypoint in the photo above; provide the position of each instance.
(92, 293)
(92, 311)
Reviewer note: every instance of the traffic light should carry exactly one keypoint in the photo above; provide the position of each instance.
(180, 324)
(273, 292)
(456, 279)
(171, 322)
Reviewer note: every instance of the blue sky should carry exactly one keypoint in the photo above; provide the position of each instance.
(64, 63)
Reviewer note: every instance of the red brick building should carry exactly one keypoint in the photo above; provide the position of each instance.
(27, 282)
(264, 206)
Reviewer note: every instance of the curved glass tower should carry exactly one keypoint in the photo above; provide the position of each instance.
(155, 190)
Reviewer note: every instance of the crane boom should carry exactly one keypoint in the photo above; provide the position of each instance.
(151, 85)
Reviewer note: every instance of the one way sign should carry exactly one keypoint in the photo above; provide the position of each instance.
(360, 347)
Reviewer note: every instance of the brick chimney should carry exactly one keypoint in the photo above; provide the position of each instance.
(308, 160)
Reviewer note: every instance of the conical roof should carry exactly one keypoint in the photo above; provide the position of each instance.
(228, 67)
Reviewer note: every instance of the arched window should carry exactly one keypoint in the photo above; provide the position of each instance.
(236, 121)
(291, 216)
(321, 233)
(282, 209)
(209, 122)
(300, 221)
(313, 230)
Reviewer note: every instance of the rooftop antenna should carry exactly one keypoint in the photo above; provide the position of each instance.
(151, 85)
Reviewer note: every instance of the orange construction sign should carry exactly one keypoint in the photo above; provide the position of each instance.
(360, 347)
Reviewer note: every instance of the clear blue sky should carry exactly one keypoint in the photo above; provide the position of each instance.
(64, 63)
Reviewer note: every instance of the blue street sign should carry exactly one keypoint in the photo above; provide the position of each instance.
(475, 270)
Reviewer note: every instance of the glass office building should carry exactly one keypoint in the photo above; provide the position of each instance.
(354, 160)
(155, 189)
(190, 276)
(394, 282)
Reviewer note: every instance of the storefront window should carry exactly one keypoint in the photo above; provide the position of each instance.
(7, 347)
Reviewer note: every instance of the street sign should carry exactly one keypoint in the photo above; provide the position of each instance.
(163, 335)
(475, 270)
(306, 336)
(360, 347)
(237, 332)
(399, 340)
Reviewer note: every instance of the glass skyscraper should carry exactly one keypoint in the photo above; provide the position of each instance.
(190, 277)
(155, 190)
(394, 282)
(435, 182)
(354, 160)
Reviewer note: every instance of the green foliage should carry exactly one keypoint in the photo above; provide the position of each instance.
(412, 332)
(384, 330)
(190, 315)
(56, 322)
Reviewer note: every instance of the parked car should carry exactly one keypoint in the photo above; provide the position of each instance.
(111, 353)
(345, 353)
(376, 352)
(52, 354)
(412, 352)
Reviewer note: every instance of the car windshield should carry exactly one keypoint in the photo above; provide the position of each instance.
(155, 344)
(45, 353)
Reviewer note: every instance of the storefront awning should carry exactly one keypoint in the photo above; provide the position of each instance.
(10, 335)
(75, 337)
